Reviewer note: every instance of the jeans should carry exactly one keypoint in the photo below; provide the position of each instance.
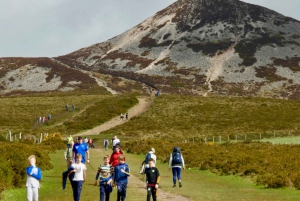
(77, 187)
(121, 195)
(176, 173)
(105, 191)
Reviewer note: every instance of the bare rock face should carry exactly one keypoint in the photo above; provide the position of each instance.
(204, 47)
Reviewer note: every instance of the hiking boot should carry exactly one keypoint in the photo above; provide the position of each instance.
(180, 184)
(174, 185)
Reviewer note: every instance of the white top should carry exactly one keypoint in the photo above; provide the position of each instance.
(31, 181)
(116, 141)
(79, 171)
(153, 156)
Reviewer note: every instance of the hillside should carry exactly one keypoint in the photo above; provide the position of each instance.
(198, 47)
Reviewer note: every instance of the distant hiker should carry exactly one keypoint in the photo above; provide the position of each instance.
(176, 163)
(121, 116)
(69, 140)
(106, 143)
(81, 148)
(80, 176)
(153, 178)
(120, 177)
(113, 161)
(105, 179)
(49, 117)
(34, 175)
(126, 116)
(91, 144)
(73, 107)
(116, 142)
(67, 107)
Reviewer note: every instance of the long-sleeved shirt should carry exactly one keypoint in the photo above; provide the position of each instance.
(152, 175)
(104, 172)
(119, 176)
(34, 174)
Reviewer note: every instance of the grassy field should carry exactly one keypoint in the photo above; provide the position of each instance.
(187, 117)
(197, 185)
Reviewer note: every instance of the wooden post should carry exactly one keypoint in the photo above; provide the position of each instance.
(274, 134)
(20, 137)
(260, 136)
(220, 138)
(228, 138)
(213, 138)
(236, 137)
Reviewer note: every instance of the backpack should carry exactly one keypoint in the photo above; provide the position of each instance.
(148, 156)
(176, 158)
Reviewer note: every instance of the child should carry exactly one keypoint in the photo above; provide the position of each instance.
(105, 179)
(120, 177)
(79, 177)
(34, 175)
(152, 176)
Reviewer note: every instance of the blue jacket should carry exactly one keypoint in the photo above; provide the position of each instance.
(120, 177)
(34, 172)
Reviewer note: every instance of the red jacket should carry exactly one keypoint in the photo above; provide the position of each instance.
(114, 158)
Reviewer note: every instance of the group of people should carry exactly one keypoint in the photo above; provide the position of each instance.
(67, 107)
(43, 119)
(122, 116)
(114, 171)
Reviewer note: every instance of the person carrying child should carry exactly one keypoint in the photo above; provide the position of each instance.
(120, 178)
(79, 177)
(153, 178)
(34, 175)
(105, 179)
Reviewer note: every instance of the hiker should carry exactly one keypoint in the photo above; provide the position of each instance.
(66, 174)
(91, 144)
(152, 176)
(86, 140)
(120, 177)
(73, 107)
(81, 148)
(113, 161)
(49, 117)
(176, 162)
(106, 143)
(149, 155)
(67, 107)
(69, 140)
(68, 153)
(126, 116)
(80, 176)
(105, 179)
(116, 142)
(34, 175)
(121, 116)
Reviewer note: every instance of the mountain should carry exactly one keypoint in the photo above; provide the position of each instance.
(204, 47)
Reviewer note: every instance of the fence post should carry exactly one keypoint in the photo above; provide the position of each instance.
(260, 136)
(245, 136)
(236, 137)
(213, 138)
(274, 134)
(20, 137)
(220, 138)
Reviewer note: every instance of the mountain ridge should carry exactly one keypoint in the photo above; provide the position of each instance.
(204, 47)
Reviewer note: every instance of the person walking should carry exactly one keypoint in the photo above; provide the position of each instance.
(104, 171)
(106, 143)
(81, 148)
(120, 178)
(114, 160)
(68, 153)
(34, 175)
(79, 177)
(176, 162)
(116, 142)
(69, 140)
(153, 178)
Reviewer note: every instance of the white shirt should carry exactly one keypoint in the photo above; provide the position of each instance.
(116, 141)
(79, 171)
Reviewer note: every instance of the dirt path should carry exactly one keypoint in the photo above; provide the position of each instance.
(139, 185)
(143, 105)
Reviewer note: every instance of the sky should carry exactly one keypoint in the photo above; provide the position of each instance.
(50, 28)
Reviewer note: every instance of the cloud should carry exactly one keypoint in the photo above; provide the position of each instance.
(35, 28)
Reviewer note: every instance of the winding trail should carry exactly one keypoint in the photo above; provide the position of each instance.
(142, 107)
